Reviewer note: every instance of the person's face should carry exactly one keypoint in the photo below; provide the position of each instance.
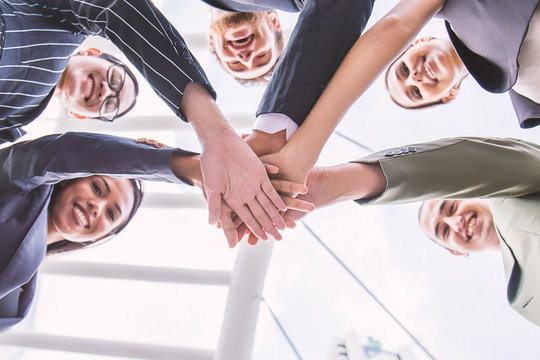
(245, 43)
(428, 71)
(460, 225)
(88, 209)
(84, 87)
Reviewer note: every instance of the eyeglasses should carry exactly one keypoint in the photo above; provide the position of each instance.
(116, 75)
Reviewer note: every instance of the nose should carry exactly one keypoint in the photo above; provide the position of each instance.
(455, 222)
(105, 90)
(96, 206)
(417, 76)
(244, 56)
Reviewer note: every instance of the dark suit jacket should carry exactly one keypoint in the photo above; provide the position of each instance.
(32, 61)
(487, 35)
(325, 32)
(28, 173)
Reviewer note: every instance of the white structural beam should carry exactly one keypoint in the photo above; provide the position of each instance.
(135, 272)
(174, 200)
(242, 309)
(143, 123)
(104, 347)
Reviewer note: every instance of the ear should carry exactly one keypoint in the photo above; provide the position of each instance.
(423, 39)
(210, 40)
(90, 52)
(77, 116)
(451, 95)
(273, 20)
(458, 253)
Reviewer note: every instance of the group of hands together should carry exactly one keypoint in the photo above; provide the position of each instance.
(254, 186)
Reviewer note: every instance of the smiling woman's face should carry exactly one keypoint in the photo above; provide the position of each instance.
(427, 72)
(88, 209)
(83, 86)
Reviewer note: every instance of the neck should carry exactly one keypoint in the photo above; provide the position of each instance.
(52, 233)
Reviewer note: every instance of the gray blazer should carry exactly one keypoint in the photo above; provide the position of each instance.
(28, 172)
(505, 171)
(323, 35)
(487, 35)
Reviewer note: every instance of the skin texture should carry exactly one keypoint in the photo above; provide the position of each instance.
(83, 86)
(235, 180)
(461, 226)
(245, 43)
(429, 71)
(103, 208)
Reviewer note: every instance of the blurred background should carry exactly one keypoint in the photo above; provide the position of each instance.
(455, 308)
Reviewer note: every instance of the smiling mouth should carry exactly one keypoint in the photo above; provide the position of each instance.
(80, 216)
(89, 87)
(429, 73)
(242, 43)
(471, 227)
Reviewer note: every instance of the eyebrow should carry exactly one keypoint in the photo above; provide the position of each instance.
(441, 211)
(109, 191)
(106, 184)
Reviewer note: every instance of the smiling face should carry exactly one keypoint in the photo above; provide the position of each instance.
(84, 86)
(460, 225)
(246, 44)
(428, 72)
(88, 209)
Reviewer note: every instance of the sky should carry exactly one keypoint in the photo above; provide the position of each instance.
(455, 306)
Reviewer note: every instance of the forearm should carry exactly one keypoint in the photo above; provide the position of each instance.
(187, 167)
(370, 55)
(203, 113)
(350, 181)
(53, 158)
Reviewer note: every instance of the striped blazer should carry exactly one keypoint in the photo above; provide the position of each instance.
(38, 37)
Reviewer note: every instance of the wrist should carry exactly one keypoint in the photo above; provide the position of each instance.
(187, 168)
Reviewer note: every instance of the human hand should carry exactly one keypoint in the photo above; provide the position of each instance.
(263, 143)
(234, 228)
(234, 174)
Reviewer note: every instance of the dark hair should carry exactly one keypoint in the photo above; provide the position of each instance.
(66, 245)
(115, 60)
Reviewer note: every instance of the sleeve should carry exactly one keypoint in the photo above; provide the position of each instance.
(53, 158)
(325, 32)
(144, 35)
(527, 111)
(458, 168)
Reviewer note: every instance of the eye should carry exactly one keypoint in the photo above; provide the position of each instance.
(416, 92)
(111, 104)
(260, 56)
(96, 188)
(404, 69)
(445, 232)
(110, 214)
(452, 209)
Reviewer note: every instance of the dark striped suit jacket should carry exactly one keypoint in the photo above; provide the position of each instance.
(38, 36)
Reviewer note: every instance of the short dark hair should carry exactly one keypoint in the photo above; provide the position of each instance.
(63, 246)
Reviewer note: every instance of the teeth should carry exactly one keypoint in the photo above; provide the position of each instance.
(471, 227)
(89, 87)
(429, 73)
(81, 217)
